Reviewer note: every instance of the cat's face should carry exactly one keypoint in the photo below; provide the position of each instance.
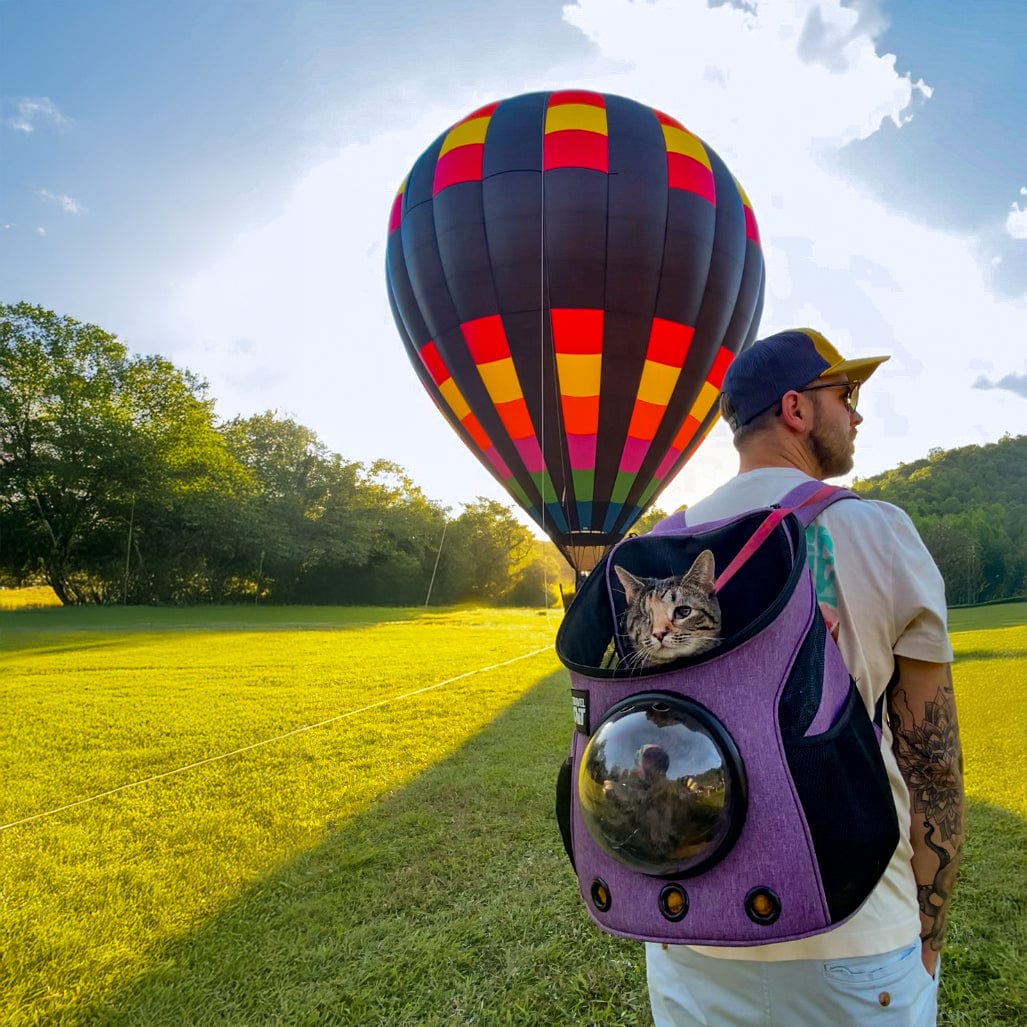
(667, 618)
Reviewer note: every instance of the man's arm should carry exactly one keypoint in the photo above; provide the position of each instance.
(925, 738)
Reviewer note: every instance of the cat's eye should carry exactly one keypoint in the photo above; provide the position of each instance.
(681, 612)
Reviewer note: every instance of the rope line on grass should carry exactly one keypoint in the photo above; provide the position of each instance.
(276, 738)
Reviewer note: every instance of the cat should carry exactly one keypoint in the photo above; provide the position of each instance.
(667, 618)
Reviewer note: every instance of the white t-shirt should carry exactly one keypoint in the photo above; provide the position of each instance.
(890, 601)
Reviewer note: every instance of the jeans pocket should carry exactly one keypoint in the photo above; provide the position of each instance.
(857, 972)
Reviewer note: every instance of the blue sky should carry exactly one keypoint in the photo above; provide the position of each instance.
(211, 181)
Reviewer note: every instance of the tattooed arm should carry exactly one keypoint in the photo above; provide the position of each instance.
(925, 738)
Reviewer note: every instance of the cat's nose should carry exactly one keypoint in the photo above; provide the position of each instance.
(659, 634)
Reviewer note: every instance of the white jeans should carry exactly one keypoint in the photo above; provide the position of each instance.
(687, 990)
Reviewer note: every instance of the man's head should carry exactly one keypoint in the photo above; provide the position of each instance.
(797, 383)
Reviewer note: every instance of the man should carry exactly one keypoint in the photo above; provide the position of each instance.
(790, 400)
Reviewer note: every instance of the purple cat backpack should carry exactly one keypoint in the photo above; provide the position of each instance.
(737, 797)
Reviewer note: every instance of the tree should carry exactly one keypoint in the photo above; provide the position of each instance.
(93, 446)
(486, 548)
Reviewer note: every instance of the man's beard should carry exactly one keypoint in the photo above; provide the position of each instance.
(832, 451)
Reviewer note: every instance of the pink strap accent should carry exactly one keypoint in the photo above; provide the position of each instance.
(759, 536)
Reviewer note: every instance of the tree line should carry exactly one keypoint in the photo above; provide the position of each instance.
(970, 507)
(119, 485)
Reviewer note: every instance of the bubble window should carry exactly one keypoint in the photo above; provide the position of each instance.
(661, 786)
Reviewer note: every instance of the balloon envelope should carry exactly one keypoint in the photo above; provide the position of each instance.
(572, 273)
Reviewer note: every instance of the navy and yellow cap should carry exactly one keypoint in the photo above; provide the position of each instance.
(760, 375)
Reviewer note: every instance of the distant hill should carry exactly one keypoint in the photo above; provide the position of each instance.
(970, 507)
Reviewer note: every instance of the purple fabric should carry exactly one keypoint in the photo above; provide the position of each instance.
(774, 848)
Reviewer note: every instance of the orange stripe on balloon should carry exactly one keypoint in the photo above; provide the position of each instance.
(477, 432)
(580, 414)
(433, 363)
(645, 420)
(685, 433)
(516, 419)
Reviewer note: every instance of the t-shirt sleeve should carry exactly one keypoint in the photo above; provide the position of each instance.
(919, 611)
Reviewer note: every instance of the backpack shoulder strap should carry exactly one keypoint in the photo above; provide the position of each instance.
(806, 501)
(810, 499)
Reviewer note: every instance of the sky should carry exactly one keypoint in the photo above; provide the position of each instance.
(211, 181)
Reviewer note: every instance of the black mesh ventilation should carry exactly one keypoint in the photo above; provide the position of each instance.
(844, 791)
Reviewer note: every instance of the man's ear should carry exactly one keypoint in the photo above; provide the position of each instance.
(793, 413)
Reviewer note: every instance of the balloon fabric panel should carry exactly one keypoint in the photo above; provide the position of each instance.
(571, 273)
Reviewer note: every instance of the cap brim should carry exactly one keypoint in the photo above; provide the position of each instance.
(857, 370)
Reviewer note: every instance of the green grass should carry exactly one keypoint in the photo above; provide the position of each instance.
(396, 866)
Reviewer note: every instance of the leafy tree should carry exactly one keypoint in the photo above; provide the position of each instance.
(92, 443)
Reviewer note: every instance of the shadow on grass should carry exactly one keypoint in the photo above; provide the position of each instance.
(991, 654)
(451, 902)
(35, 630)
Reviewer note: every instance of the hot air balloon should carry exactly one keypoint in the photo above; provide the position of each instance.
(572, 273)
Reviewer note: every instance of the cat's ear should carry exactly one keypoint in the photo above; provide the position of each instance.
(703, 572)
(632, 586)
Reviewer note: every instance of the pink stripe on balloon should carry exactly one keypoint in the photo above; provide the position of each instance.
(582, 451)
(633, 455)
(666, 463)
(531, 455)
(498, 463)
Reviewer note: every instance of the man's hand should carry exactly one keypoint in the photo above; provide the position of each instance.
(925, 739)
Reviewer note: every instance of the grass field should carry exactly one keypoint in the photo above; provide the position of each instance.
(324, 816)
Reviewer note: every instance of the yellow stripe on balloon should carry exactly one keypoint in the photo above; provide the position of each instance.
(704, 402)
(579, 374)
(454, 399)
(466, 134)
(658, 381)
(500, 378)
(680, 140)
(581, 116)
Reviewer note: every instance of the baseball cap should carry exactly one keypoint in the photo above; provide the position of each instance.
(760, 375)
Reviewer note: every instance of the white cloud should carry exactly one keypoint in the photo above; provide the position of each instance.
(33, 111)
(40, 230)
(306, 292)
(67, 203)
(1016, 219)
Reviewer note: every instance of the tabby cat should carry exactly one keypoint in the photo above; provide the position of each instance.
(667, 618)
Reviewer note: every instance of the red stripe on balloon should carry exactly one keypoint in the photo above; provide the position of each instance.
(575, 148)
(577, 331)
(669, 342)
(433, 362)
(396, 214)
(486, 339)
(683, 172)
(462, 164)
(561, 96)
(751, 228)
(666, 119)
(721, 362)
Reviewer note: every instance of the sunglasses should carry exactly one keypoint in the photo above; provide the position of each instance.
(850, 397)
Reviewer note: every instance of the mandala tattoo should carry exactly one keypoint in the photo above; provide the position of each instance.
(928, 754)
